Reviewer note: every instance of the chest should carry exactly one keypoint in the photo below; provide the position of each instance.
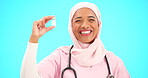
(97, 71)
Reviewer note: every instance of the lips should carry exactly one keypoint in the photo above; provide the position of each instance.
(85, 32)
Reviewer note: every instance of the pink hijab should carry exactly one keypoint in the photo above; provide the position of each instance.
(86, 54)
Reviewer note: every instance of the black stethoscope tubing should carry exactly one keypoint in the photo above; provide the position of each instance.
(75, 74)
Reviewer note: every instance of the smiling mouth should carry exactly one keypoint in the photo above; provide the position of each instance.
(85, 32)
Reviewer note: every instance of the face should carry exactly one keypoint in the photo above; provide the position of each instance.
(85, 25)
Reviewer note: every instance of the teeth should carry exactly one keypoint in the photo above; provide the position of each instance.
(85, 32)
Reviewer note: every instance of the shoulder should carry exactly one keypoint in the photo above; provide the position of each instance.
(114, 61)
(57, 54)
(117, 66)
(54, 59)
(63, 50)
(113, 58)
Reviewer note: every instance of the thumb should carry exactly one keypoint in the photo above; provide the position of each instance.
(49, 28)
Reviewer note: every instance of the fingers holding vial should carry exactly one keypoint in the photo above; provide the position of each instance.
(44, 20)
(40, 29)
(53, 24)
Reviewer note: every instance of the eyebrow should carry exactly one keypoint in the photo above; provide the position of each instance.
(91, 17)
(87, 17)
(77, 17)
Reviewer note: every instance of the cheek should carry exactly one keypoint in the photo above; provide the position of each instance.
(96, 28)
(75, 28)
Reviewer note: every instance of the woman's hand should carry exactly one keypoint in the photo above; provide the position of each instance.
(39, 28)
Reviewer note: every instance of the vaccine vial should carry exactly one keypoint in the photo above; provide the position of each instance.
(53, 22)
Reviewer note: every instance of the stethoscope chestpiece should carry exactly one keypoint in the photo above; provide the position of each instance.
(110, 76)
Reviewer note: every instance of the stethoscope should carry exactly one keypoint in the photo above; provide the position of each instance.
(73, 70)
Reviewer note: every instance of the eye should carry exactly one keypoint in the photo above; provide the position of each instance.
(77, 21)
(91, 20)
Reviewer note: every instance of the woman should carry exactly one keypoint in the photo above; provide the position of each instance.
(87, 58)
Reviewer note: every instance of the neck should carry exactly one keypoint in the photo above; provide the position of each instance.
(83, 45)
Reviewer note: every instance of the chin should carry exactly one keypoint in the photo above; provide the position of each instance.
(87, 41)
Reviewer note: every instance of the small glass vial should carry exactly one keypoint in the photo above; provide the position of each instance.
(53, 22)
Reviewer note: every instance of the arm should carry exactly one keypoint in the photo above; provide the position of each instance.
(47, 68)
(29, 66)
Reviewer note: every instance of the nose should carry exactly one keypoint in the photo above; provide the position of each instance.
(85, 25)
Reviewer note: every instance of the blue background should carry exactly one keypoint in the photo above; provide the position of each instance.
(124, 32)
